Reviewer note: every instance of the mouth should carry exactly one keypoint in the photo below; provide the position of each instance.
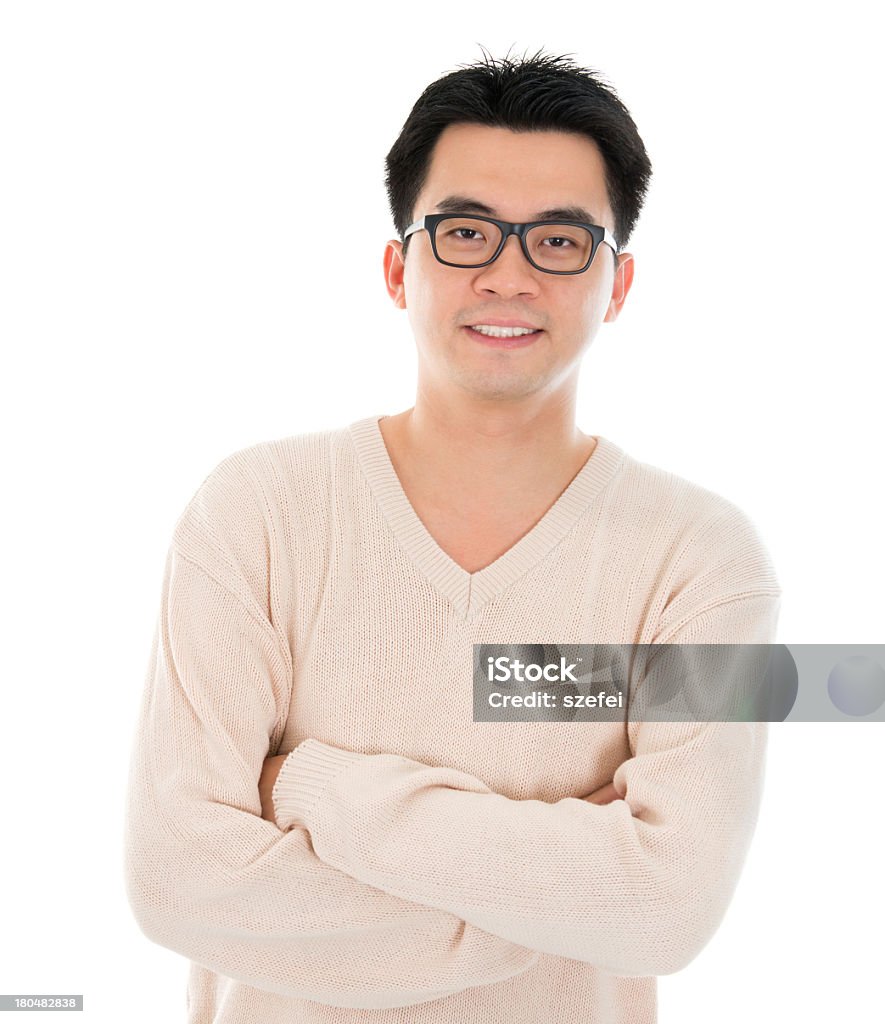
(498, 336)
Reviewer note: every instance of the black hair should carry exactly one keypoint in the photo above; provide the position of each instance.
(539, 93)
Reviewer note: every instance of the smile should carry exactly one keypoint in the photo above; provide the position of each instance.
(504, 337)
(493, 331)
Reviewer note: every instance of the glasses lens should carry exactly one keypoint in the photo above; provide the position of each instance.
(559, 246)
(466, 241)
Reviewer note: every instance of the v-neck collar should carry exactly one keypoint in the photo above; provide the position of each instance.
(468, 592)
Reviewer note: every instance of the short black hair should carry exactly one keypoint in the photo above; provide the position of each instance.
(539, 93)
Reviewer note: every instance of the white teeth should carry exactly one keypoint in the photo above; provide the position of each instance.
(502, 332)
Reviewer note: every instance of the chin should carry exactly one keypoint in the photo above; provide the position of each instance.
(500, 387)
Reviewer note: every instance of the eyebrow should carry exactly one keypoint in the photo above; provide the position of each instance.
(464, 204)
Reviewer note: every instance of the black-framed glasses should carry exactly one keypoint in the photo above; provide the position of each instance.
(554, 246)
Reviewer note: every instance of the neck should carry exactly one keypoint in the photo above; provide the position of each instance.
(487, 445)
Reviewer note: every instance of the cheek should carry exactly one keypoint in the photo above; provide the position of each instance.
(424, 311)
(415, 283)
(580, 309)
(595, 300)
(419, 301)
(429, 302)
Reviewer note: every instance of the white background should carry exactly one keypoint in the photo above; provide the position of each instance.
(163, 164)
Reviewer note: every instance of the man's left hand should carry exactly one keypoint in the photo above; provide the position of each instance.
(269, 774)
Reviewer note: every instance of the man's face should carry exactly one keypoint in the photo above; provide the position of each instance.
(513, 176)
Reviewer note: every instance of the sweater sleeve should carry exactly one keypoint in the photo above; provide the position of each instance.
(636, 887)
(209, 878)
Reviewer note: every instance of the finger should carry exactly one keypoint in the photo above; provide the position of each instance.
(605, 795)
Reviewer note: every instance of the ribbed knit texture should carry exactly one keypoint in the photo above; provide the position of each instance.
(428, 869)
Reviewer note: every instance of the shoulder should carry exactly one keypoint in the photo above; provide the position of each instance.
(652, 491)
(707, 549)
(265, 466)
(243, 510)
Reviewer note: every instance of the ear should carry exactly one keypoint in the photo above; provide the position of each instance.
(621, 286)
(394, 270)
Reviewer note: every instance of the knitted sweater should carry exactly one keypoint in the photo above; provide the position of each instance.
(429, 869)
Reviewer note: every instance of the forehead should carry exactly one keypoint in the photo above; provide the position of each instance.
(516, 173)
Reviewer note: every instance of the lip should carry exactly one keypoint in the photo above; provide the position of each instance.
(523, 341)
(494, 321)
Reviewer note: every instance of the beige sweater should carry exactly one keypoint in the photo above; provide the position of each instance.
(431, 869)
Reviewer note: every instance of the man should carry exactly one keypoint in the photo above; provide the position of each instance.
(393, 860)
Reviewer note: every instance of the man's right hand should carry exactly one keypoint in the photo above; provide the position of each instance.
(604, 795)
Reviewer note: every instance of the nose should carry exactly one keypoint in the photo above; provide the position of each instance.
(511, 273)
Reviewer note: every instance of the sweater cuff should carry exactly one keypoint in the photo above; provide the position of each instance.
(304, 776)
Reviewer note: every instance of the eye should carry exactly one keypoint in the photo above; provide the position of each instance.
(558, 242)
(466, 234)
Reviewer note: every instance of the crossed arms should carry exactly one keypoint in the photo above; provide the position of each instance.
(336, 904)
(272, 765)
